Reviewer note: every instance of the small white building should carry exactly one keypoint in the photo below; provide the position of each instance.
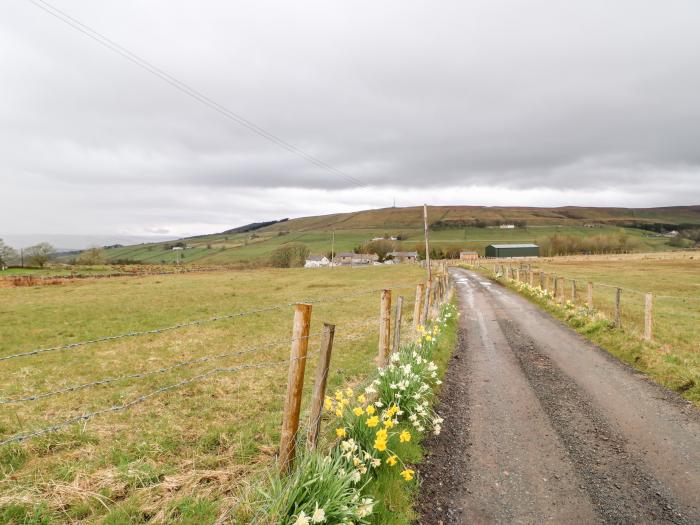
(507, 226)
(316, 261)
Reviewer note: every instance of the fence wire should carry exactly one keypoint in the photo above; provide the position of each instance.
(71, 346)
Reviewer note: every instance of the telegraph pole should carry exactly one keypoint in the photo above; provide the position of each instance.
(427, 243)
(332, 248)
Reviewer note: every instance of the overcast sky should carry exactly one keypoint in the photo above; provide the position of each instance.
(467, 102)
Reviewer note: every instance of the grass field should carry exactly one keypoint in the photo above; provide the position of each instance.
(241, 249)
(673, 358)
(181, 456)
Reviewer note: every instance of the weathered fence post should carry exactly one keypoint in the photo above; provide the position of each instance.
(397, 324)
(590, 295)
(427, 301)
(517, 275)
(560, 290)
(384, 327)
(295, 384)
(543, 285)
(418, 305)
(531, 278)
(573, 291)
(555, 284)
(648, 316)
(618, 313)
(319, 392)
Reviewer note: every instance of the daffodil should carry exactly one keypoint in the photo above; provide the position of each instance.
(405, 436)
(373, 421)
(370, 410)
(302, 519)
(361, 399)
(319, 515)
(340, 432)
(339, 411)
(358, 411)
(407, 474)
(392, 460)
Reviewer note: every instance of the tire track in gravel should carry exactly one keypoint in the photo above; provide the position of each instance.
(621, 491)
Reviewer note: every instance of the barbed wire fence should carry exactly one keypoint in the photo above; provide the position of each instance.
(359, 330)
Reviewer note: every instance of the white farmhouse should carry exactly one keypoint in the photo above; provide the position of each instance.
(316, 261)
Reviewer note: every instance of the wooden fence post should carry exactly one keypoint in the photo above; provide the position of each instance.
(560, 290)
(517, 275)
(319, 391)
(590, 295)
(418, 305)
(295, 384)
(384, 327)
(543, 286)
(573, 291)
(531, 278)
(648, 316)
(555, 285)
(427, 301)
(618, 312)
(397, 324)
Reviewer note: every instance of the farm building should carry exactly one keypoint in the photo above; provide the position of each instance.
(404, 256)
(512, 250)
(316, 261)
(350, 258)
(468, 256)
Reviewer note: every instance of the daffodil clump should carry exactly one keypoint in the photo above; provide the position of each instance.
(318, 491)
(371, 426)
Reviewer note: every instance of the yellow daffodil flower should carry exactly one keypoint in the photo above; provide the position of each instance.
(358, 411)
(373, 421)
(370, 410)
(392, 460)
(340, 432)
(405, 436)
(407, 474)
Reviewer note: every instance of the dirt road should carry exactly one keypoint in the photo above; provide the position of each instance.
(544, 427)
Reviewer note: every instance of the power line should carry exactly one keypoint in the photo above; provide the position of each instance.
(189, 90)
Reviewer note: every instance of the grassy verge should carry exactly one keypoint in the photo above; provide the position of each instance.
(373, 440)
(395, 494)
(672, 358)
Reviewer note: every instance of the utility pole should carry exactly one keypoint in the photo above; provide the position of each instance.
(427, 243)
(333, 248)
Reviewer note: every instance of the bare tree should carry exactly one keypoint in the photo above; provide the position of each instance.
(91, 256)
(40, 254)
(7, 254)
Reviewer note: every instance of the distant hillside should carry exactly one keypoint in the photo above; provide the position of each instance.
(461, 227)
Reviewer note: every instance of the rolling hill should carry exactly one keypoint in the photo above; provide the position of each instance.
(461, 226)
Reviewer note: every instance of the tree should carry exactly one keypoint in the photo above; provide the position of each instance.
(381, 248)
(7, 254)
(289, 255)
(91, 256)
(40, 254)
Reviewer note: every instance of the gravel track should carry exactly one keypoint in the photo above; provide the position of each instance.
(544, 427)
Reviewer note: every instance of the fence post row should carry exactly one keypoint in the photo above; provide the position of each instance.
(573, 291)
(384, 327)
(295, 384)
(543, 285)
(319, 391)
(560, 289)
(397, 324)
(648, 317)
(618, 313)
(590, 295)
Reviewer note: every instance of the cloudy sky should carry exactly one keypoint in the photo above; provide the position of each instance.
(489, 102)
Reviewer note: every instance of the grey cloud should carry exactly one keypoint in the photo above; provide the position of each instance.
(406, 96)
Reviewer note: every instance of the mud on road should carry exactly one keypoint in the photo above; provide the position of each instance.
(544, 427)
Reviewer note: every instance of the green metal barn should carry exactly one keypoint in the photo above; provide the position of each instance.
(512, 250)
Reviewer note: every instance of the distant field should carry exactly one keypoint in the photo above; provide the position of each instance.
(195, 447)
(674, 279)
(241, 249)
